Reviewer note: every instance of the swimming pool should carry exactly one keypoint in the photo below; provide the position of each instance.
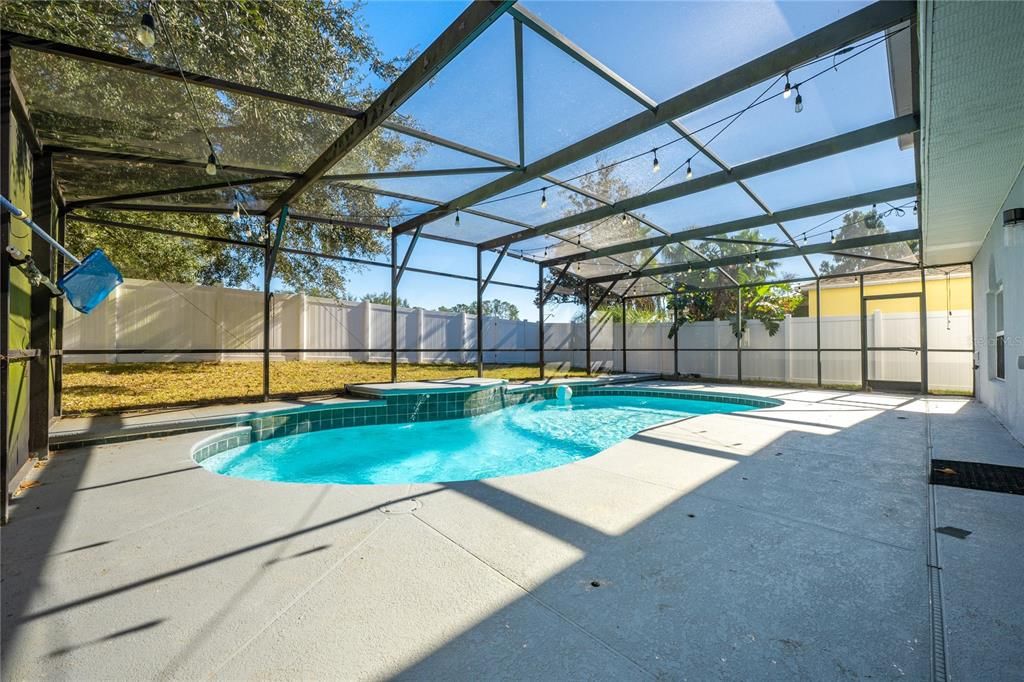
(515, 440)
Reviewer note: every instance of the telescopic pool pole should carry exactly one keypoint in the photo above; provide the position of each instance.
(40, 232)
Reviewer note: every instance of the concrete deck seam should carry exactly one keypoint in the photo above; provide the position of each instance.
(939, 657)
(543, 604)
(287, 607)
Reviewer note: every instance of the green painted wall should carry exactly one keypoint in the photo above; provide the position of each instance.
(18, 321)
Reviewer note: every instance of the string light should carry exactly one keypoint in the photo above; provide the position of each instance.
(798, 103)
(804, 241)
(211, 164)
(146, 33)
(457, 219)
(544, 198)
(832, 236)
(788, 90)
(623, 218)
(689, 171)
(237, 213)
(656, 166)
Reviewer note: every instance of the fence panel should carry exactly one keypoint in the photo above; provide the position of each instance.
(156, 315)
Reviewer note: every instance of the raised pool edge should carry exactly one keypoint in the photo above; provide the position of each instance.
(405, 408)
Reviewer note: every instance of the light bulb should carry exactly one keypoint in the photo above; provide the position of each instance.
(832, 236)
(623, 218)
(689, 171)
(689, 269)
(237, 213)
(543, 198)
(146, 33)
(788, 90)
(656, 166)
(757, 258)
(805, 239)
(211, 164)
(457, 220)
(798, 103)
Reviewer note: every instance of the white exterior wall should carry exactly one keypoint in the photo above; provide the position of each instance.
(1000, 263)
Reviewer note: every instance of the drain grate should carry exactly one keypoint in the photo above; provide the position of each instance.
(992, 477)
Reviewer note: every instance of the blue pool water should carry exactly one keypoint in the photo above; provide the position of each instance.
(515, 440)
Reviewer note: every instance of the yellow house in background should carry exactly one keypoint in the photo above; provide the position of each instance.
(842, 298)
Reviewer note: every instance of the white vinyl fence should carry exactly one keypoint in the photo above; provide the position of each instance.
(162, 318)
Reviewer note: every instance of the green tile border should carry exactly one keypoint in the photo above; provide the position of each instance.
(434, 406)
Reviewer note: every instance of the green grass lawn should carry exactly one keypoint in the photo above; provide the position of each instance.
(99, 388)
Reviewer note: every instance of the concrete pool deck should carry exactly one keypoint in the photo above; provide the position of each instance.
(790, 542)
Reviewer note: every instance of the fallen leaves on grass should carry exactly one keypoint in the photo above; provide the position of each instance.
(100, 388)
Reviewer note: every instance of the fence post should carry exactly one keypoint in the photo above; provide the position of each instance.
(817, 325)
(787, 340)
(419, 335)
(716, 330)
(623, 335)
(675, 338)
(878, 339)
(303, 327)
(367, 331)
(463, 318)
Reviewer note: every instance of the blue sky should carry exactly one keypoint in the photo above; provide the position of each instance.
(663, 48)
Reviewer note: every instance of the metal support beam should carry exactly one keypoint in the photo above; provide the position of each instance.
(554, 285)
(623, 334)
(270, 251)
(471, 23)
(520, 86)
(405, 259)
(40, 307)
(867, 21)
(586, 318)
(58, 340)
(156, 70)
(831, 146)
(161, 230)
(6, 134)
(479, 312)
(394, 308)
(923, 320)
(675, 337)
(739, 335)
(494, 268)
(21, 114)
(80, 203)
(785, 252)
(863, 337)
(798, 213)
(560, 41)
(540, 318)
(817, 325)
(213, 210)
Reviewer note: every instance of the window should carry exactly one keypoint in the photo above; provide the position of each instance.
(1000, 337)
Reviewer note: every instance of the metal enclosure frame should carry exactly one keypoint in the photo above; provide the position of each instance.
(552, 273)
